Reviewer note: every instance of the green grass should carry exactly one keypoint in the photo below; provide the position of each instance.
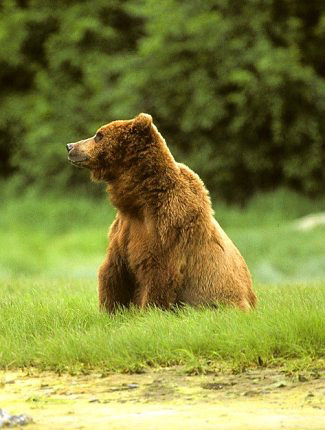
(57, 325)
(66, 237)
(50, 251)
(51, 248)
(53, 238)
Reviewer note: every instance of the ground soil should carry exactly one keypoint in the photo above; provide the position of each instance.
(167, 399)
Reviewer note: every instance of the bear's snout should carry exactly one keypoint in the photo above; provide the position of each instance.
(77, 153)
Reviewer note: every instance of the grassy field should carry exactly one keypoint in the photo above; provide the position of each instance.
(57, 325)
(66, 237)
(52, 247)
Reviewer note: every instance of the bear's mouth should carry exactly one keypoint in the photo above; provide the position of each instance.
(80, 162)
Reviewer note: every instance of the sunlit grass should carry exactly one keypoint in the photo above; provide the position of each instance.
(57, 325)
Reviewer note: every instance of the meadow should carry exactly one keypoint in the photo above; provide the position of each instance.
(66, 237)
(51, 248)
(56, 325)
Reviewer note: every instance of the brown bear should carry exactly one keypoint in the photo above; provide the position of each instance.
(165, 247)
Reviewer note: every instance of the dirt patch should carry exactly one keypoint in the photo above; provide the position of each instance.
(260, 398)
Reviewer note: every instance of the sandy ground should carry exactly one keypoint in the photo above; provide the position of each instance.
(167, 399)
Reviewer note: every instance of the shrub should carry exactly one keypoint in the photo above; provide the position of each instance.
(237, 88)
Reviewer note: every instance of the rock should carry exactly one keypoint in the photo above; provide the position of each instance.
(309, 222)
(280, 384)
(7, 420)
(132, 386)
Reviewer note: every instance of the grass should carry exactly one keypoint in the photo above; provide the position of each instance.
(57, 325)
(53, 238)
(66, 237)
(52, 247)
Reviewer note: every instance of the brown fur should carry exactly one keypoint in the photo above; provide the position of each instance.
(165, 247)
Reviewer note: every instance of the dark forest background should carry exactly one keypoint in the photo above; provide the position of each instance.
(237, 88)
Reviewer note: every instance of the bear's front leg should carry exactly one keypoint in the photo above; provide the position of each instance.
(159, 287)
(116, 286)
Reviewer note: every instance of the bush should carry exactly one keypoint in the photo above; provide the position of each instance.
(237, 88)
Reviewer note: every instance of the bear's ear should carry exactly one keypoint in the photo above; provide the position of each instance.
(142, 122)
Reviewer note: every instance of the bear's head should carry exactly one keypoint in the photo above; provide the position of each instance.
(115, 148)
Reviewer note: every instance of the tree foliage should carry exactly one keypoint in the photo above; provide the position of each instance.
(237, 88)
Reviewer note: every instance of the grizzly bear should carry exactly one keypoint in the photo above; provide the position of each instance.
(165, 247)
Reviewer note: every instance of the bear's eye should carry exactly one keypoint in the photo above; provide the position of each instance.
(98, 136)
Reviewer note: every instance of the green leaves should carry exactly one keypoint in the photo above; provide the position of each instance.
(238, 90)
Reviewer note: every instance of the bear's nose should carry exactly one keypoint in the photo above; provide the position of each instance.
(69, 146)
